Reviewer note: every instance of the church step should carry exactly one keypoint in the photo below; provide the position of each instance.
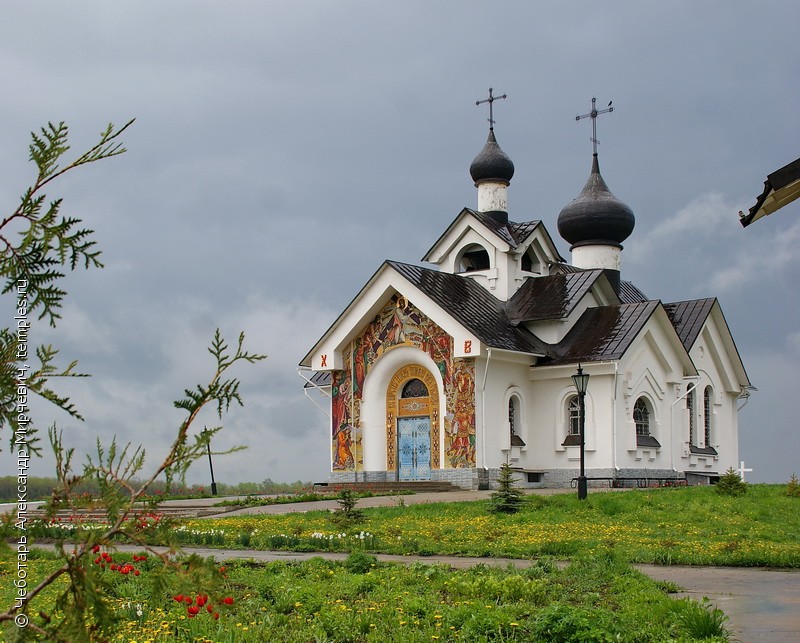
(422, 486)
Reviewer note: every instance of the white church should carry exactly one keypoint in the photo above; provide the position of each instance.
(446, 372)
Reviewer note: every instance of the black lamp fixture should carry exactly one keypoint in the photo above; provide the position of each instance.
(207, 433)
(581, 381)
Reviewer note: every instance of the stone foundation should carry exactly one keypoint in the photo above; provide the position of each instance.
(476, 478)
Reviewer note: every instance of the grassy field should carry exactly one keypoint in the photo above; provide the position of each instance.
(599, 599)
(694, 526)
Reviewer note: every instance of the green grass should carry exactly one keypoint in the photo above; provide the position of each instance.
(692, 526)
(599, 599)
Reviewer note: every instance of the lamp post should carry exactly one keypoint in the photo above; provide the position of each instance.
(206, 432)
(581, 381)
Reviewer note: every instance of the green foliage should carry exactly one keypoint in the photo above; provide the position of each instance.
(348, 514)
(507, 499)
(362, 600)
(37, 246)
(731, 484)
(360, 563)
(678, 526)
(79, 605)
(701, 621)
(793, 487)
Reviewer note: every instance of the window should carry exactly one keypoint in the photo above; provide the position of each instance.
(642, 419)
(530, 262)
(690, 408)
(707, 415)
(514, 427)
(573, 422)
(474, 258)
(414, 388)
(641, 416)
(574, 407)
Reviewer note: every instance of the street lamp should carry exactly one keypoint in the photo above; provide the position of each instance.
(207, 433)
(581, 381)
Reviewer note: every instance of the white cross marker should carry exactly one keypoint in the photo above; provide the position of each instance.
(742, 470)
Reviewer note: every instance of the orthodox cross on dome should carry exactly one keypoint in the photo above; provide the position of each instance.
(593, 115)
(491, 100)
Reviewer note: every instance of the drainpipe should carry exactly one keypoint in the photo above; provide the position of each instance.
(483, 409)
(614, 461)
(745, 395)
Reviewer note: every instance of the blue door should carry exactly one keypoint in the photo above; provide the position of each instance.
(414, 448)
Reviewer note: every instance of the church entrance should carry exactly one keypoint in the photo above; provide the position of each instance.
(412, 412)
(414, 448)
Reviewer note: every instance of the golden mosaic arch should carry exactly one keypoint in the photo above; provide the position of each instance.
(418, 406)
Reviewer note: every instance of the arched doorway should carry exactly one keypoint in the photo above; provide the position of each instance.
(412, 423)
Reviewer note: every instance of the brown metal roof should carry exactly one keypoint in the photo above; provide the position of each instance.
(473, 307)
(603, 334)
(781, 188)
(553, 297)
(688, 318)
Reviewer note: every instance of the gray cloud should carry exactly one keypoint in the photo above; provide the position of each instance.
(280, 154)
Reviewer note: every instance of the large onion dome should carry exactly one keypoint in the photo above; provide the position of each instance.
(491, 164)
(596, 217)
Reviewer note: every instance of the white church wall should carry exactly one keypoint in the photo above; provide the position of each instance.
(715, 370)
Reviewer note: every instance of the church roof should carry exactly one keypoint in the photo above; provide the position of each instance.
(781, 188)
(688, 318)
(596, 216)
(492, 163)
(553, 297)
(473, 307)
(512, 233)
(603, 334)
(630, 294)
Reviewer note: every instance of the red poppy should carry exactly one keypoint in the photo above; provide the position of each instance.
(178, 597)
(193, 610)
(209, 608)
(227, 600)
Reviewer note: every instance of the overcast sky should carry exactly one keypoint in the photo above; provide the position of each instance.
(283, 150)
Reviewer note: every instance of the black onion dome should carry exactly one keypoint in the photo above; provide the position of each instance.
(596, 216)
(492, 163)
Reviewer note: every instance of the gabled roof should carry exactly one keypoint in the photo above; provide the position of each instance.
(511, 233)
(688, 318)
(473, 307)
(553, 297)
(781, 188)
(630, 294)
(603, 334)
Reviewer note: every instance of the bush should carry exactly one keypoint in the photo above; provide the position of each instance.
(731, 484)
(507, 499)
(360, 563)
(793, 487)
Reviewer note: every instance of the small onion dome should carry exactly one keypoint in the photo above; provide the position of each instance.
(491, 164)
(596, 216)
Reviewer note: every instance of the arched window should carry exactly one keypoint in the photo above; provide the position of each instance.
(690, 408)
(643, 419)
(514, 422)
(474, 258)
(574, 410)
(414, 388)
(641, 416)
(707, 394)
(573, 416)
